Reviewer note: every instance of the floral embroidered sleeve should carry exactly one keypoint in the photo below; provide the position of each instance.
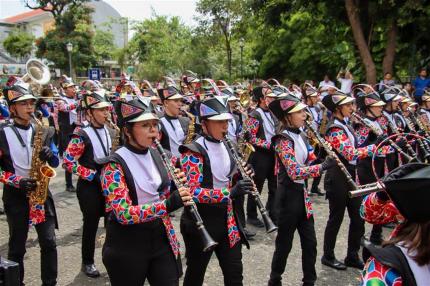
(250, 127)
(74, 151)
(339, 140)
(63, 106)
(192, 165)
(285, 150)
(375, 273)
(376, 211)
(119, 202)
(9, 178)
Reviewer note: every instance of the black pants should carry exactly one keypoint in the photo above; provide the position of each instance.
(292, 217)
(338, 202)
(230, 259)
(135, 253)
(18, 232)
(68, 176)
(91, 202)
(263, 163)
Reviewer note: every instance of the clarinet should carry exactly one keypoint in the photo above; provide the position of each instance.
(396, 131)
(379, 133)
(422, 145)
(420, 126)
(329, 150)
(268, 223)
(208, 242)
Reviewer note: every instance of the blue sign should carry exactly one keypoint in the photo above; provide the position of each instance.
(94, 74)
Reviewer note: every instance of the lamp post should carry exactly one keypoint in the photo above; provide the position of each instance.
(69, 50)
(241, 45)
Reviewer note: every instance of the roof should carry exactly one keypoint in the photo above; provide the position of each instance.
(23, 17)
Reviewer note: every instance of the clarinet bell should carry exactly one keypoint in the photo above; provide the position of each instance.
(208, 242)
(268, 223)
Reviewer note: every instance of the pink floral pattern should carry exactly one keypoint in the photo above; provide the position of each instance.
(251, 126)
(74, 151)
(285, 151)
(118, 201)
(192, 165)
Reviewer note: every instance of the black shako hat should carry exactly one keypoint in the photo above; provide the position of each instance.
(331, 101)
(215, 108)
(408, 186)
(135, 110)
(284, 105)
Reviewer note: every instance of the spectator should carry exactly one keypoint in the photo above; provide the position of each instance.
(345, 79)
(387, 80)
(420, 83)
(323, 86)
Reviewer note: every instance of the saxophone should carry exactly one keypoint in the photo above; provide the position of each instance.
(191, 128)
(39, 170)
(116, 140)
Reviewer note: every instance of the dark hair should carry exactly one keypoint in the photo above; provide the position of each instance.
(416, 238)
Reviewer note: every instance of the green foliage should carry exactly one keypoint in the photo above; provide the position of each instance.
(104, 47)
(75, 28)
(18, 44)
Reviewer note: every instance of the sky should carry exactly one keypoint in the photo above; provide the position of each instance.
(133, 9)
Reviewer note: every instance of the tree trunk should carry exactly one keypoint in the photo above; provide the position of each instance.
(228, 49)
(360, 41)
(390, 49)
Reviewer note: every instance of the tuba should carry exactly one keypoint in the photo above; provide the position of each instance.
(37, 75)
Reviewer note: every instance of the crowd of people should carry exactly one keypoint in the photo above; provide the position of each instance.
(141, 153)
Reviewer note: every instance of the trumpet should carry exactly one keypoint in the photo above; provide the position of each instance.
(268, 223)
(379, 133)
(208, 242)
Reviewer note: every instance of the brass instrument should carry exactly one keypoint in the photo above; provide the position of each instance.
(191, 128)
(379, 133)
(37, 75)
(39, 171)
(324, 120)
(117, 139)
(208, 242)
(270, 226)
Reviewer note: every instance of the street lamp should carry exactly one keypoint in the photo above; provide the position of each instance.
(69, 47)
(241, 45)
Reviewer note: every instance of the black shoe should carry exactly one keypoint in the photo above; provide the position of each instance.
(317, 191)
(255, 222)
(249, 234)
(333, 263)
(70, 189)
(90, 270)
(354, 262)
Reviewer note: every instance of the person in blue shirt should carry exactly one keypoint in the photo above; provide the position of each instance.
(420, 83)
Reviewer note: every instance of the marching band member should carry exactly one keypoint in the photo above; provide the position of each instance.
(260, 127)
(173, 127)
(312, 98)
(67, 117)
(424, 111)
(392, 101)
(16, 160)
(141, 243)
(404, 259)
(341, 137)
(87, 145)
(210, 168)
(293, 203)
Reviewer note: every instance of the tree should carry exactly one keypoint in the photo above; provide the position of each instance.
(19, 44)
(222, 16)
(75, 28)
(104, 46)
(55, 7)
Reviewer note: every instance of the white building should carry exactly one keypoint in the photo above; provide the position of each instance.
(39, 22)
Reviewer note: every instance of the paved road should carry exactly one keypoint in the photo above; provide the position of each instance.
(256, 260)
